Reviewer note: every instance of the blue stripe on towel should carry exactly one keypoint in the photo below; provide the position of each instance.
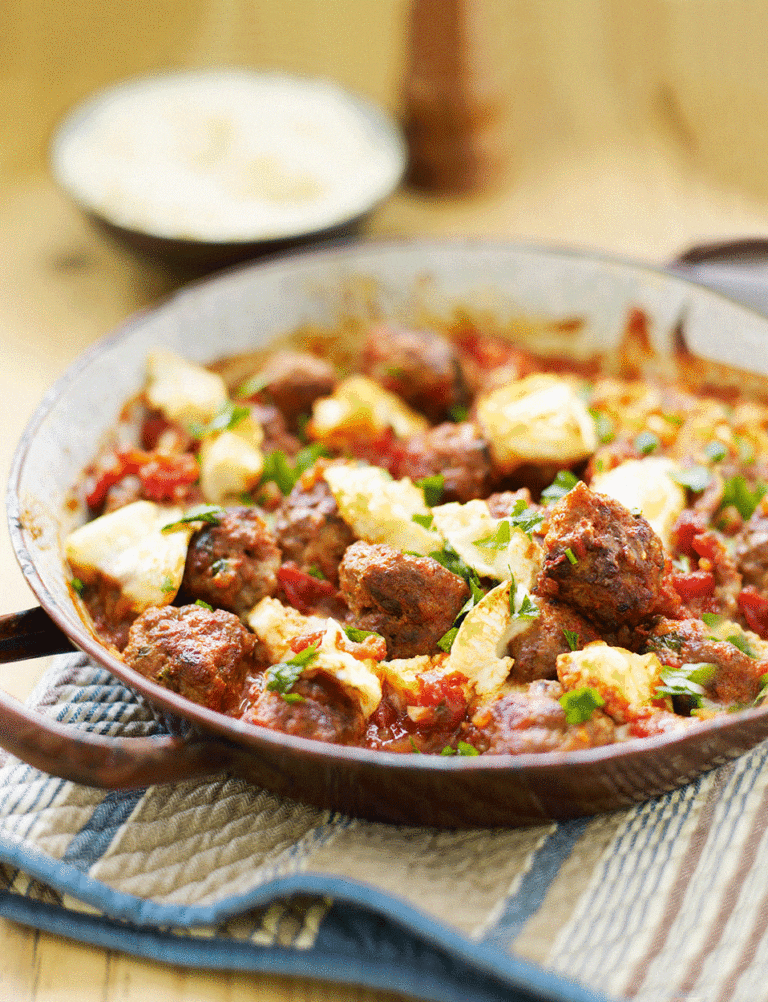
(92, 841)
(534, 884)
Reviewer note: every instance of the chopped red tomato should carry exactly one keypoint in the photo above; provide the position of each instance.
(694, 584)
(162, 475)
(303, 591)
(754, 609)
(385, 450)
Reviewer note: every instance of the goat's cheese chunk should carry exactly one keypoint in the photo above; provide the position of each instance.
(231, 463)
(128, 546)
(356, 676)
(626, 681)
(183, 391)
(539, 419)
(379, 509)
(479, 648)
(359, 406)
(646, 484)
(491, 546)
(276, 625)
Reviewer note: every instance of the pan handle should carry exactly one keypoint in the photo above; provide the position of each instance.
(74, 754)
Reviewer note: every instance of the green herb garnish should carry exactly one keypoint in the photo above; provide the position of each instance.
(716, 451)
(423, 520)
(603, 426)
(563, 482)
(688, 680)
(740, 641)
(210, 514)
(357, 635)
(433, 488)
(279, 469)
(167, 585)
(229, 417)
(525, 518)
(498, 539)
(204, 605)
(580, 704)
(77, 585)
(744, 499)
(251, 387)
(283, 676)
(572, 639)
(695, 478)
(646, 442)
(458, 413)
(572, 558)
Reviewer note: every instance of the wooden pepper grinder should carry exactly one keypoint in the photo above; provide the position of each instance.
(456, 104)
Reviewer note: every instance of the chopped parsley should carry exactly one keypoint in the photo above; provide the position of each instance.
(284, 675)
(252, 386)
(279, 469)
(762, 692)
(204, 605)
(229, 417)
(716, 451)
(77, 585)
(462, 748)
(525, 518)
(357, 635)
(572, 638)
(603, 426)
(572, 558)
(167, 585)
(563, 482)
(527, 609)
(646, 442)
(744, 498)
(458, 413)
(446, 641)
(695, 478)
(219, 566)
(580, 704)
(740, 641)
(688, 680)
(423, 520)
(210, 514)
(432, 488)
(670, 641)
(499, 539)
(315, 572)
(712, 619)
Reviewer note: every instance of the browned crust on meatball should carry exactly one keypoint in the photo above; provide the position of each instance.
(322, 712)
(203, 654)
(536, 650)
(458, 452)
(233, 564)
(310, 531)
(601, 559)
(411, 601)
(533, 720)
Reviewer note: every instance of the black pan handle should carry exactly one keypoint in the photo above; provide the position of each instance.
(74, 754)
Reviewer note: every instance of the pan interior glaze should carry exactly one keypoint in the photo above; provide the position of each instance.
(341, 289)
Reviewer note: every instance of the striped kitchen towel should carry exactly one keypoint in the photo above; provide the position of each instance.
(663, 902)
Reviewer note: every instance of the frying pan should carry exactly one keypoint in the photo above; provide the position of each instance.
(342, 288)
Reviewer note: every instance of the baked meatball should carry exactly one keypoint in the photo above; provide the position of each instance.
(233, 564)
(736, 676)
(204, 654)
(533, 720)
(751, 551)
(601, 559)
(411, 601)
(420, 366)
(458, 452)
(293, 380)
(536, 649)
(310, 531)
(325, 712)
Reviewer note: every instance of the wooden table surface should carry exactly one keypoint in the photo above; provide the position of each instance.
(644, 157)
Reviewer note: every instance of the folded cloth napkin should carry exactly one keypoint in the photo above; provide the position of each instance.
(664, 902)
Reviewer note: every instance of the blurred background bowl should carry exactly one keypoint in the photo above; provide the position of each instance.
(205, 168)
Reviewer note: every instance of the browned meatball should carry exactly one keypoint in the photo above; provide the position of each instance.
(601, 559)
(504, 503)
(310, 530)
(411, 601)
(419, 366)
(534, 721)
(325, 711)
(556, 630)
(293, 380)
(233, 564)
(751, 551)
(458, 452)
(736, 678)
(204, 654)
(277, 438)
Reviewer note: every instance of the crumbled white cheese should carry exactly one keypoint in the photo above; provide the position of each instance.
(646, 484)
(276, 625)
(184, 392)
(379, 509)
(626, 681)
(359, 407)
(539, 419)
(128, 546)
(465, 526)
(229, 466)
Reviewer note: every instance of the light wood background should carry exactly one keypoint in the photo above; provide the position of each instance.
(637, 127)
